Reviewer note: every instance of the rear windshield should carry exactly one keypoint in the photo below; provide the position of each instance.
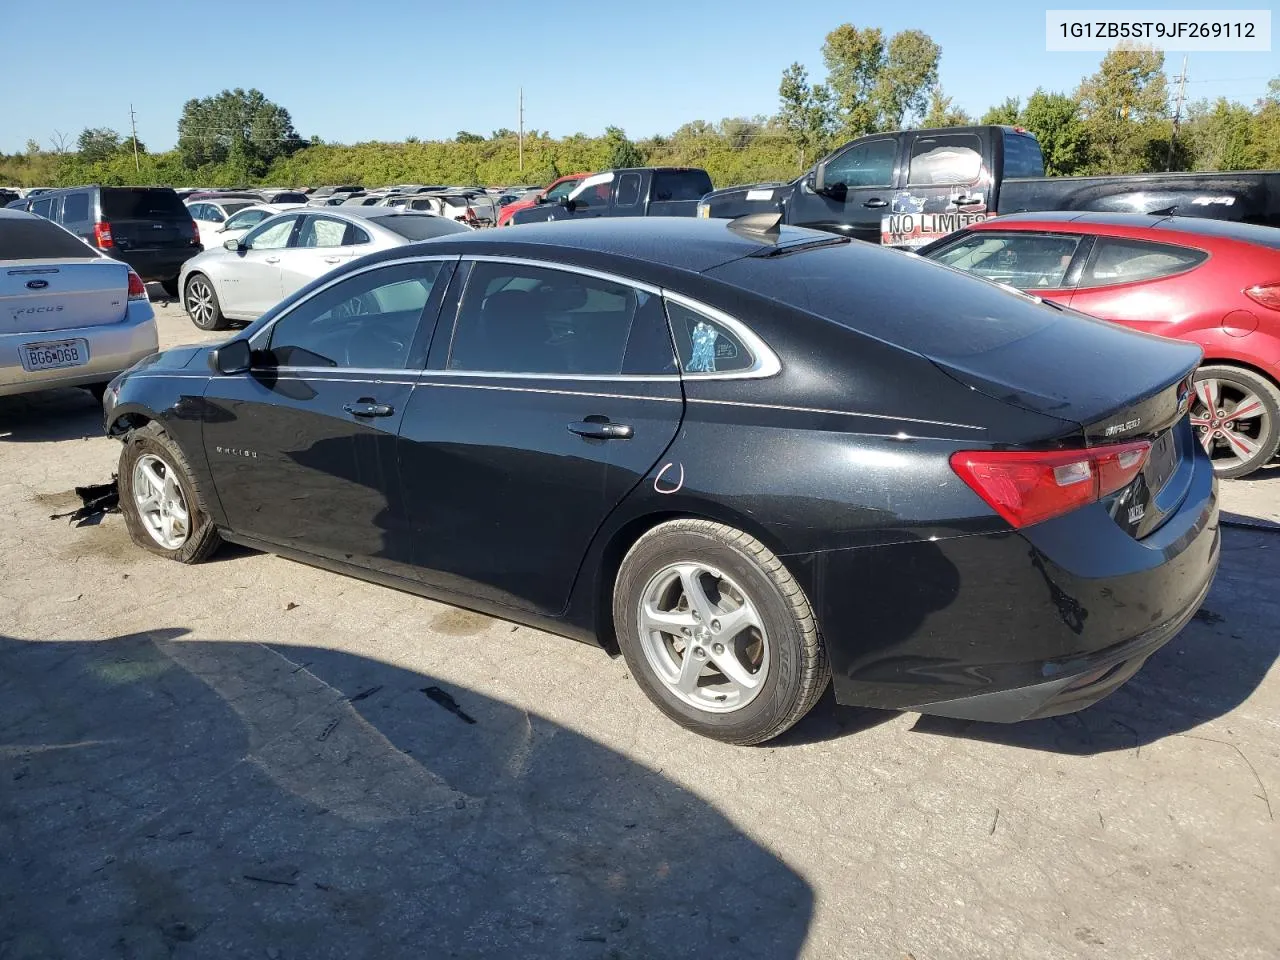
(420, 228)
(680, 185)
(124, 203)
(896, 297)
(290, 198)
(31, 238)
(1022, 157)
(233, 206)
(457, 201)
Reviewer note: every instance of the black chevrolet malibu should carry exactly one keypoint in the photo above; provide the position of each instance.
(749, 459)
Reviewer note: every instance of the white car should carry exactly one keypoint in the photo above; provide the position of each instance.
(472, 209)
(242, 221)
(69, 315)
(210, 215)
(245, 277)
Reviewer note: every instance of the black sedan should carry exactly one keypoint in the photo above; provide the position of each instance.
(747, 458)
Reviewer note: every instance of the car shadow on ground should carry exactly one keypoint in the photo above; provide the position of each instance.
(50, 415)
(176, 798)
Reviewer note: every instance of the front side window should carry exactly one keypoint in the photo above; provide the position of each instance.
(212, 214)
(593, 191)
(533, 320)
(42, 208)
(951, 159)
(1128, 261)
(366, 321)
(321, 232)
(864, 165)
(273, 235)
(705, 345)
(1027, 261)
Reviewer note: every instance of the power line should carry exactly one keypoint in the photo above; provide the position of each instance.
(1177, 111)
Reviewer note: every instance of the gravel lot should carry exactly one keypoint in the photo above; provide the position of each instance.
(256, 758)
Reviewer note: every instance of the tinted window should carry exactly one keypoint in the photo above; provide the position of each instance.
(358, 236)
(704, 345)
(420, 227)
(142, 203)
(1027, 261)
(26, 238)
(246, 219)
(594, 195)
(864, 165)
(230, 208)
(75, 208)
(42, 208)
(271, 236)
(517, 319)
(1022, 156)
(368, 320)
(321, 232)
(679, 185)
(1127, 261)
(950, 158)
(628, 190)
(289, 198)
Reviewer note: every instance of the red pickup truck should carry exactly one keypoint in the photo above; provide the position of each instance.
(559, 188)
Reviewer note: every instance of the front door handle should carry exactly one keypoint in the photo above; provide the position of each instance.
(332, 259)
(601, 428)
(368, 407)
(270, 259)
(875, 202)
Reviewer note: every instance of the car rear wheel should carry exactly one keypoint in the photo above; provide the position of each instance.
(1236, 416)
(170, 286)
(201, 303)
(717, 633)
(159, 500)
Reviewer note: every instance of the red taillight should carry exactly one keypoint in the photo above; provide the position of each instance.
(195, 233)
(102, 235)
(137, 289)
(1267, 294)
(1026, 487)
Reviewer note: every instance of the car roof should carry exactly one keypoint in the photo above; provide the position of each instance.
(1139, 220)
(1083, 221)
(12, 213)
(1224, 230)
(681, 243)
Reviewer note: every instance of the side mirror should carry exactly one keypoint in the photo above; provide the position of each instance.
(568, 203)
(234, 356)
(234, 244)
(836, 191)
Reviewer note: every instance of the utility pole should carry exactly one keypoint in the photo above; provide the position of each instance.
(520, 125)
(1177, 112)
(133, 124)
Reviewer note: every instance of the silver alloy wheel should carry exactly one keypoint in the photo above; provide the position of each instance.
(703, 637)
(1230, 419)
(161, 505)
(200, 302)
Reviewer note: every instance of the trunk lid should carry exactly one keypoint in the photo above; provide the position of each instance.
(42, 295)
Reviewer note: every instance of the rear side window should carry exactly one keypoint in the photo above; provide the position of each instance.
(1022, 157)
(75, 208)
(949, 158)
(628, 190)
(42, 208)
(1028, 261)
(705, 345)
(678, 185)
(126, 203)
(26, 238)
(1128, 261)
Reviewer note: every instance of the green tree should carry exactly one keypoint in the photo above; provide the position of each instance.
(1055, 120)
(1222, 135)
(466, 136)
(622, 152)
(910, 71)
(1005, 113)
(805, 112)
(502, 133)
(1125, 108)
(854, 59)
(239, 125)
(942, 112)
(97, 144)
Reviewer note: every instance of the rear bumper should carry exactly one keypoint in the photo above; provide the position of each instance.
(1012, 626)
(113, 347)
(158, 264)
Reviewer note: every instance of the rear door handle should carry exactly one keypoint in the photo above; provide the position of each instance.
(367, 407)
(601, 429)
(875, 202)
(332, 259)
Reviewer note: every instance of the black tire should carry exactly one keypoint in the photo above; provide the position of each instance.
(170, 287)
(203, 538)
(1235, 386)
(798, 671)
(198, 285)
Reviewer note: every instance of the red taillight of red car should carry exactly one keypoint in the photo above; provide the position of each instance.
(137, 289)
(102, 236)
(1267, 294)
(1029, 486)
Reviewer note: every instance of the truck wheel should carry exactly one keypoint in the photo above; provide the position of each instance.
(160, 502)
(717, 633)
(1236, 416)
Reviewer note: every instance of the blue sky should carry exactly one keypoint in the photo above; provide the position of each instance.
(389, 69)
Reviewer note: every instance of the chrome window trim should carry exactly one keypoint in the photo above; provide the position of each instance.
(837, 413)
(766, 362)
(566, 268)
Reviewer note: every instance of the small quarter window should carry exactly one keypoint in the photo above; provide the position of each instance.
(706, 345)
(1128, 261)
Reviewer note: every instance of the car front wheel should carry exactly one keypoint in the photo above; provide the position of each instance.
(717, 632)
(201, 303)
(159, 500)
(1236, 416)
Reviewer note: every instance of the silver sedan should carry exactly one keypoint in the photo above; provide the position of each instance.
(247, 276)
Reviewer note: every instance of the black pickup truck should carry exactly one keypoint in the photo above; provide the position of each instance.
(910, 187)
(629, 192)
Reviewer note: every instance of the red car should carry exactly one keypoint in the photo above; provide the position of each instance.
(1213, 282)
(557, 189)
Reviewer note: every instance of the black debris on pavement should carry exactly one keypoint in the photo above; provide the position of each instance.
(97, 500)
(442, 697)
